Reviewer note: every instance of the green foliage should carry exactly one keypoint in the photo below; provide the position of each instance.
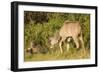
(40, 32)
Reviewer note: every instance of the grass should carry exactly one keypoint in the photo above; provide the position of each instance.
(66, 55)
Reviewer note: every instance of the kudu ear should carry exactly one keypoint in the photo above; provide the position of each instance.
(50, 38)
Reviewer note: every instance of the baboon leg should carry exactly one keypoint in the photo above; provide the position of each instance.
(76, 42)
(82, 42)
(60, 44)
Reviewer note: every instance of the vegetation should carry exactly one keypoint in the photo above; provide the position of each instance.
(39, 26)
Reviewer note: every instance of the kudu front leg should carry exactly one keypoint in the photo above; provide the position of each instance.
(60, 44)
(60, 47)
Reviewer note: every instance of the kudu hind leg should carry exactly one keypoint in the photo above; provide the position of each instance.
(83, 47)
(82, 42)
(76, 42)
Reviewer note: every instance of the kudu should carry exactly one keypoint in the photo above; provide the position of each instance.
(70, 29)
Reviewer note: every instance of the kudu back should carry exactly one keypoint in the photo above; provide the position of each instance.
(69, 29)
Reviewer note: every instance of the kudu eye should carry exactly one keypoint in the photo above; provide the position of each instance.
(49, 41)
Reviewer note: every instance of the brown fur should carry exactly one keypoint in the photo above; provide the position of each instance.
(69, 29)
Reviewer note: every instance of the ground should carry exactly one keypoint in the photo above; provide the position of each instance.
(72, 54)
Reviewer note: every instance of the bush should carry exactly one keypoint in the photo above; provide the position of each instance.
(39, 33)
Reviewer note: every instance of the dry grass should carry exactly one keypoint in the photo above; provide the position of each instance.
(66, 55)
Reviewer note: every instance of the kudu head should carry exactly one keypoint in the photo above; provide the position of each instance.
(53, 41)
